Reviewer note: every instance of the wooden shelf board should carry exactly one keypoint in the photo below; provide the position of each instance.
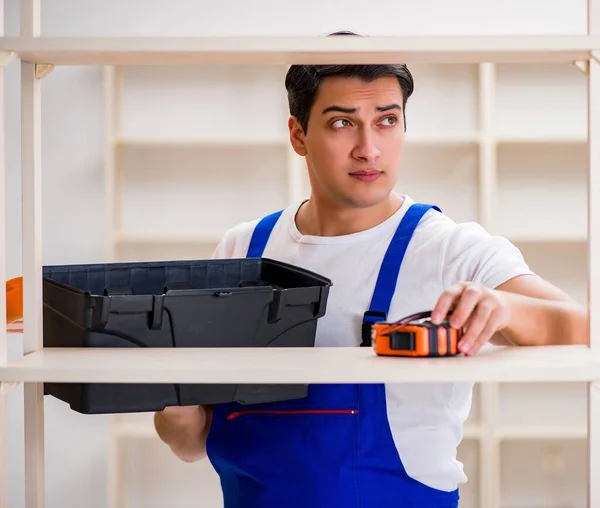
(541, 432)
(449, 139)
(134, 141)
(298, 365)
(522, 139)
(546, 239)
(298, 50)
(167, 238)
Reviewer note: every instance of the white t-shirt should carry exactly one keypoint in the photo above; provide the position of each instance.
(426, 419)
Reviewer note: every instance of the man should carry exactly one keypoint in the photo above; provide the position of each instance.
(368, 445)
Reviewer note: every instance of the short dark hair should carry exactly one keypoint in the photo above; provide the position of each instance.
(302, 82)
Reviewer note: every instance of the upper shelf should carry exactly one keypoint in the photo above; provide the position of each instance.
(298, 365)
(298, 50)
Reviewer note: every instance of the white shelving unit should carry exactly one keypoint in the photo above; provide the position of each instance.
(501, 144)
(492, 140)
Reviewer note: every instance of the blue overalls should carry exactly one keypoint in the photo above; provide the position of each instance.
(332, 449)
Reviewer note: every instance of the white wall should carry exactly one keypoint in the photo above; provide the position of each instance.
(73, 151)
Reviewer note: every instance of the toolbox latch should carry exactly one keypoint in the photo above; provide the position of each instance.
(156, 316)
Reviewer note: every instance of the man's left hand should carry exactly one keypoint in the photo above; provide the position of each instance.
(481, 311)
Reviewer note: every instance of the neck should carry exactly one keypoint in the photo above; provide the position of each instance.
(318, 218)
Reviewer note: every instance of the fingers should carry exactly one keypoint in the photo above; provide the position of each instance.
(478, 310)
(485, 336)
(447, 302)
(470, 298)
(477, 327)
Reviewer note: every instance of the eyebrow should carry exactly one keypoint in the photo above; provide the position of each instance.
(349, 111)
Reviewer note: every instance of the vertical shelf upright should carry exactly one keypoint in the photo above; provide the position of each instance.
(467, 156)
(4, 487)
(489, 488)
(594, 253)
(31, 182)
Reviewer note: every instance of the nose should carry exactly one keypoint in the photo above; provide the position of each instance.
(366, 147)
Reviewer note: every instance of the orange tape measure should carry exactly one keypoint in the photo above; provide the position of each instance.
(416, 336)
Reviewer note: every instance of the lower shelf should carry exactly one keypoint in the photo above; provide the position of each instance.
(546, 468)
(552, 474)
(155, 478)
(469, 453)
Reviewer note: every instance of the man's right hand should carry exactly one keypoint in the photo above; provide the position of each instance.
(184, 429)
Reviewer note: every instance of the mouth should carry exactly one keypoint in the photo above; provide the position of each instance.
(366, 175)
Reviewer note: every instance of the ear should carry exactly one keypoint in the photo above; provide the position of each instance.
(297, 138)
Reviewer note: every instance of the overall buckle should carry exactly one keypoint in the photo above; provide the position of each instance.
(369, 318)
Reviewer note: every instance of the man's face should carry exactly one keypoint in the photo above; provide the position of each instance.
(354, 141)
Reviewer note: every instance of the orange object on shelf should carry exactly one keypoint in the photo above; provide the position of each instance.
(14, 305)
(416, 336)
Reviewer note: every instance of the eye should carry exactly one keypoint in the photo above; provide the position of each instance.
(392, 119)
(342, 122)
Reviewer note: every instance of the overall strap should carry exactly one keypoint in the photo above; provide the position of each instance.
(261, 234)
(390, 269)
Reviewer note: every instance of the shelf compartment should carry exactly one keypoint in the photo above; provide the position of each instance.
(155, 478)
(559, 112)
(469, 454)
(438, 174)
(220, 105)
(131, 249)
(535, 407)
(562, 263)
(299, 50)
(433, 85)
(298, 365)
(542, 192)
(195, 185)
(550, 474)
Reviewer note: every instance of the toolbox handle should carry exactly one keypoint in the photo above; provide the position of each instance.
(176, 286)
(120, 290)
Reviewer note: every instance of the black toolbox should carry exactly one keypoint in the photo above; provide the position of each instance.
(249, 302)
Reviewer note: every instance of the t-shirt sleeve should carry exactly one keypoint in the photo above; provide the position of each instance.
(235, 241)
(224, 249)
(472, 254)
